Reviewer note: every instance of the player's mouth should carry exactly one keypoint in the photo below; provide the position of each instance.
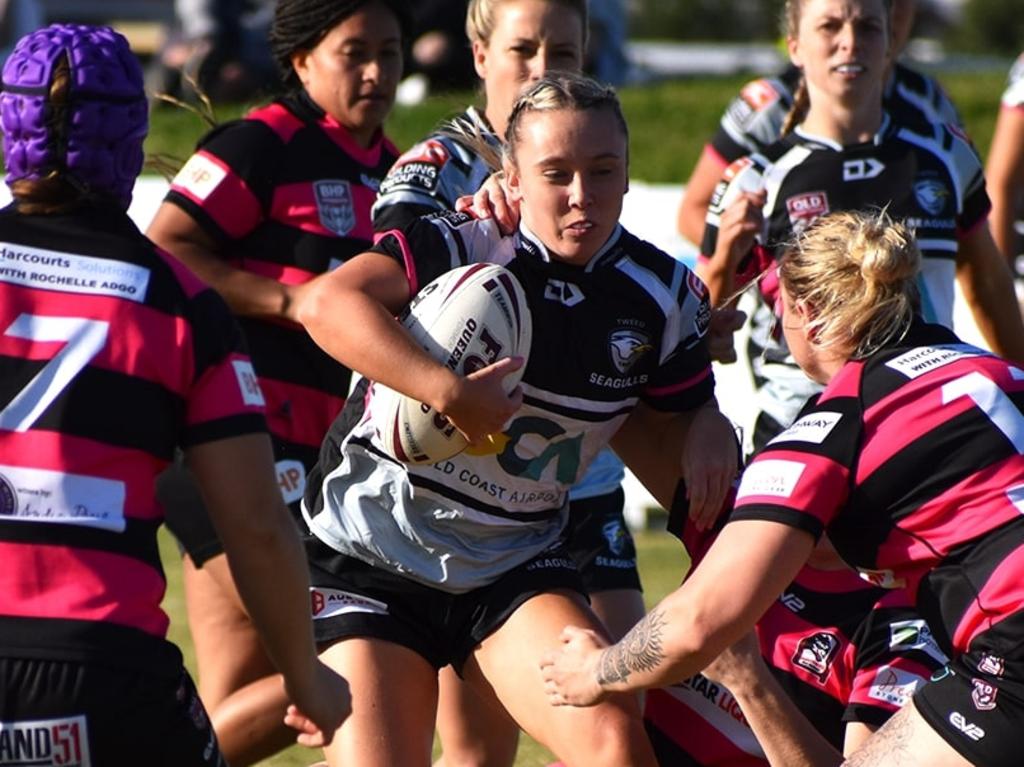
(849, 70)
(581, 227)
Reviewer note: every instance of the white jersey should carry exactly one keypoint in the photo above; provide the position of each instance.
(627, 327)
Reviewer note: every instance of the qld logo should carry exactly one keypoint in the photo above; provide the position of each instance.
(627, 347)
(931, 195)
(334, 205)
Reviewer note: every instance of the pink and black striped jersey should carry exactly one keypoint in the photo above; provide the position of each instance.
(287, 193)
(844, 650)
(912, 460)
(111, 356)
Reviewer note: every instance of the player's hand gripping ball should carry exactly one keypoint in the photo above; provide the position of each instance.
(468, 319)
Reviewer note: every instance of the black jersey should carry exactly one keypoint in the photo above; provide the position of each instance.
(463, 522)
(753, 120)
(930, 180)
(286, 192)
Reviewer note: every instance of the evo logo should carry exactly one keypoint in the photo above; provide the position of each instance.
(972, 731)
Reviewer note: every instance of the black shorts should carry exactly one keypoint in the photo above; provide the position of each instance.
(75, 714)
(598, 538)
(186, 515)
(976, 703)
(353, 599)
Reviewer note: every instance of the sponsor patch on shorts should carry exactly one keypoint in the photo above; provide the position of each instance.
(328, 603)
(45, 743)
(291, 479)
(894, 686)
(771, 477)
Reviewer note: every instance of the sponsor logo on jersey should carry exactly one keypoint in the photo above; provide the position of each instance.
(972, 731)
(984, 694)
(327, 603)
(816, 652)
(804, 208)
(862, 169)
(8, 498)
(551, 563)
(773, 477)
(884, 579)
(759, 94)
(931, 194)
(792, 602)
(894, 686)
(417, 175)
(335, 206)
(914, 635)
(291, 479)
(939, 674)
(566, 293)
(735, 168)
(927, 358)
(200, 176)
(248, 384)
(60, 497)
(992, 664)
(369, 182)
(72, 273)
(45, 743)
(626, 346)
(812, 428)
(616, 535)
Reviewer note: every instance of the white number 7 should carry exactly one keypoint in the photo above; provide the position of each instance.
(992, 401)
(84, 340)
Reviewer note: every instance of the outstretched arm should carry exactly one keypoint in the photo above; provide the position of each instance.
(784, 733)
(743, 572)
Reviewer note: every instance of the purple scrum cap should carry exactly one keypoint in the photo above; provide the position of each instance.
(107, 116)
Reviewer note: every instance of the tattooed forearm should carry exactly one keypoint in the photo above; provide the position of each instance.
(640, 650)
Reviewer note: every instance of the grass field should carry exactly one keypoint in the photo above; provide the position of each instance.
(669, 123)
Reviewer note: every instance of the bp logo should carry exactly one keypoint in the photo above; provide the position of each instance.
(931, 195)
(334, 205)
(626, 347)
(8, 498)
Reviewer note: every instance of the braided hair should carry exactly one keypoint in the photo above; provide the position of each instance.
(301, 24)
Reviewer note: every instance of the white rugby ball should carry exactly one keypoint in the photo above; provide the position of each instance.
(467, 318)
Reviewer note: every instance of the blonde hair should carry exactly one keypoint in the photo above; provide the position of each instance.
(856, 272)
(480, 17)
(557, 91)
(790, 22)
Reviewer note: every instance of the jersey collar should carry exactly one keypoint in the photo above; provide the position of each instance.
(527, 241)
(835, 146)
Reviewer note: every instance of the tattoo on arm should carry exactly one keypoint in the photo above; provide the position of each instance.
(640, 650)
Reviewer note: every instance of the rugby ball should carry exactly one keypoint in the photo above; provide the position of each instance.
(468, 319)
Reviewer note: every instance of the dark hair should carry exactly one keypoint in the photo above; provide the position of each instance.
(301, 24)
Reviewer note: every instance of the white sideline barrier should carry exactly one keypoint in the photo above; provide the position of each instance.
(649, 211)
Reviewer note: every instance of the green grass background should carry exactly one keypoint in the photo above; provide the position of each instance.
(669, 123)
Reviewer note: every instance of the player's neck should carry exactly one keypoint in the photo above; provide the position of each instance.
(842, 124)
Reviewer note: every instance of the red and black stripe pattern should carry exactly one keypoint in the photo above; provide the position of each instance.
(111, 355)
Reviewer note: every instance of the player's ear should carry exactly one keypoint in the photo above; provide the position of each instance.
(513, 180)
